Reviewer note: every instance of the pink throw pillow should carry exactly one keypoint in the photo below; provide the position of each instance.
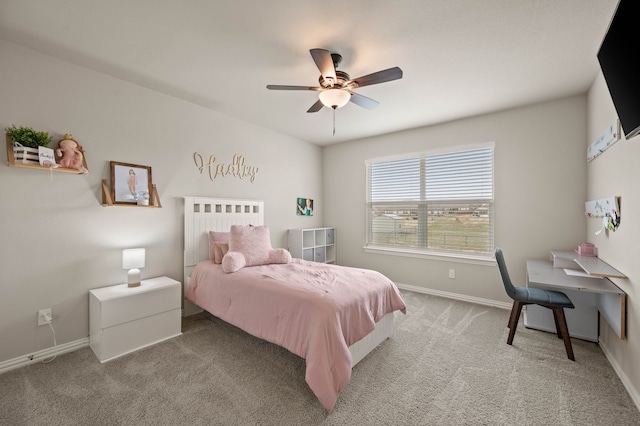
(217, 237)
(219, 250)
(251, 246)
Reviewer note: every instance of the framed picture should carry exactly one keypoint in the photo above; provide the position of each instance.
(304, 207)
(129, 183)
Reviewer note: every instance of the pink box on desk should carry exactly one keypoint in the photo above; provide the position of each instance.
(587, 249)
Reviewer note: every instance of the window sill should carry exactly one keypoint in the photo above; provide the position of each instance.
(448, 257)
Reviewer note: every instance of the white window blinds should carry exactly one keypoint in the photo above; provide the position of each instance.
(433, 202)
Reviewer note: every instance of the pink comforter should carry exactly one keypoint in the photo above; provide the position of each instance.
(314, 310)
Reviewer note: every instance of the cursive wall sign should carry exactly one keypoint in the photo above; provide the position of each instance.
(236, 169)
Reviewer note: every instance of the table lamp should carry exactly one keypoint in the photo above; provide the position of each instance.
(132, 259)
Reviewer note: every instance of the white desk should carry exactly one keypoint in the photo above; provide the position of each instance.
(590, 295)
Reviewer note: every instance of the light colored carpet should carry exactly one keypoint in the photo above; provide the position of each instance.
(447, 364)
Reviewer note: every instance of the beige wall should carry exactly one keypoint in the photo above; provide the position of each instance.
(57, 242)
(540, 189)
(616, 173)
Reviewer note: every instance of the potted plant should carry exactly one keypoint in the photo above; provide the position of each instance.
(26, 142)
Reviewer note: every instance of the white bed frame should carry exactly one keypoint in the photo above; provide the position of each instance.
(203, 214)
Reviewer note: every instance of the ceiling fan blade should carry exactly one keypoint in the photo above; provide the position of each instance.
(324, 62)
(316, 107)
(363, 101)
(383, 76)
(280, 87)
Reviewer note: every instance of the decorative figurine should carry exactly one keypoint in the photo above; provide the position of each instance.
(70, 154)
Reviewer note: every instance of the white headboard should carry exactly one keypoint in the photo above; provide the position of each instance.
(203, 214)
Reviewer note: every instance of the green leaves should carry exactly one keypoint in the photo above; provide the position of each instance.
(28, 137)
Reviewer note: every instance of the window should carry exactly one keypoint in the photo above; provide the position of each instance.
(432, 203)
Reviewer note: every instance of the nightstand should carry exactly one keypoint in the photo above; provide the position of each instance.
(124, 319)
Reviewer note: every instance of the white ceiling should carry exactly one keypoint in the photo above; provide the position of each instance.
(460, 57)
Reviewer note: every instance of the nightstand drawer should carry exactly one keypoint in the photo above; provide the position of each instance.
(141, 305)
(129, 337)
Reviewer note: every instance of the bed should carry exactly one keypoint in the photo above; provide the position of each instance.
(330, 315)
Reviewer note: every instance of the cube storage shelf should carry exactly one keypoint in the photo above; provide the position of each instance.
(313, 244)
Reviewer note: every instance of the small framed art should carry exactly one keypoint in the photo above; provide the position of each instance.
(130, 183)
(304, 207)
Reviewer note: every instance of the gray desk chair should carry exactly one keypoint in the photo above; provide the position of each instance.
(554, 300)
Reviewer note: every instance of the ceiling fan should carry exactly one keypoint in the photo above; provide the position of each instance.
(336, 87)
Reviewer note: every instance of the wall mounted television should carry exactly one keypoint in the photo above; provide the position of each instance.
(617, 55)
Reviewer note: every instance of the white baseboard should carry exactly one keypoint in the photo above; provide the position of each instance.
(633, 392)
(457, 296)
(36, 357)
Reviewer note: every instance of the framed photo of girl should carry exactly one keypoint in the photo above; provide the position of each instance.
(129, 182)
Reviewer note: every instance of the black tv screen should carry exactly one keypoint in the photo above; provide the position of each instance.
(617, 56)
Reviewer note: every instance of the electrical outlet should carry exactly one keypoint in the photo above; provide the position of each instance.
(452, 273)
(44, 317)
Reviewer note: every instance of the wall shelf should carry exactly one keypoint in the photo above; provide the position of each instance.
(107, 201)
(11, 162)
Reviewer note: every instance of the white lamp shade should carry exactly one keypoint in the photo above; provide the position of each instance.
(334, 98)
(133, 258)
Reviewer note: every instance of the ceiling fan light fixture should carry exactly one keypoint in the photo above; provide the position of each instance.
(334, 98)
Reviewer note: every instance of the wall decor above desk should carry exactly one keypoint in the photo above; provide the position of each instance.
(607, 209)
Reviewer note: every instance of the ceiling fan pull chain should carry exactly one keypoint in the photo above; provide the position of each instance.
(334, 121)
